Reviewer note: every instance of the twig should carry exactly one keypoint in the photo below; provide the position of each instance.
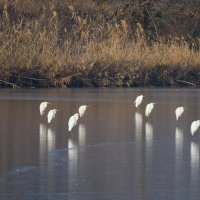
(152, 22)
(112, 79)
(24, 77)
(14, 86)
(189, 83)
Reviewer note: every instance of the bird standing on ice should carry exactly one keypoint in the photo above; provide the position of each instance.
(138, 100)
(179, 111)
(51, 114)
(194, 126)
(149, 109)
(43, 107)
(73, 121)
(82, 110)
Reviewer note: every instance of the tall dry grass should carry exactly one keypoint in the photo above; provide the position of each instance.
(68, 44)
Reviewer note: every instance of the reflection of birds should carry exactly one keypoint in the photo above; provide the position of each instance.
(73, 121)
(51, 114)
(194, 126)
(194, 151)
(138, 100)
(178, 133)
(138, 123)
(43, 106)
(148, 130)
(51, 138)
(81, 134)
(149, 109)
(194, 163)
(71, 144)
(82, 110)
(179, 111)
(43, 131)
(179, 141)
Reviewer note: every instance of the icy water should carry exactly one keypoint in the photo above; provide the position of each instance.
(114, 152)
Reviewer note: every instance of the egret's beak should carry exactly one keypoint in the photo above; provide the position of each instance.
(48, 103)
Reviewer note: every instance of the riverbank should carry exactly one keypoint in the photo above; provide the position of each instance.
(63, 44)
(158, 76)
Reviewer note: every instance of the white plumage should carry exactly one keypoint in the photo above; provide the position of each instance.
(51, 114)
(73, 121)
(43, 107)
(149, 109)
(138, 100)
(194, 126)
(76, 115)
(178, 112)
(82, 110)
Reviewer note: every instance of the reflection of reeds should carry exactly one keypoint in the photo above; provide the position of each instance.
(67, 45)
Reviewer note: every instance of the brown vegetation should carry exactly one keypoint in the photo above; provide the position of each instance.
(96, 44)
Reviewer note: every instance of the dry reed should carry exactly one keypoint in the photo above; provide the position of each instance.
(73, 48)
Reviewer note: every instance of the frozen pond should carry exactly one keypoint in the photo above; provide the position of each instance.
(114, 152)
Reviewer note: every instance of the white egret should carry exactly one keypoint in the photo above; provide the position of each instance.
(149, 109)
(179, 111)
(76, 115)
(51, 114)
(138, 100)
(43, 107)
(73, 121)
(82, 110)
(194, 126)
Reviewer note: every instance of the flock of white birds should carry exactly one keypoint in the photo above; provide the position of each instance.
(52, 113)
(149, 108)
(178, 112)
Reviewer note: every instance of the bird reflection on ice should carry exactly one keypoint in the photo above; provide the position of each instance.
(72, 153)
(138, 134)
(178, 155)
(51, 139)
(194, 161)
(138, 124)
(194, 153)
(148, 132)
(149, 141)
(71, 144)
(43, 141)
(73, 157)
(47, 141)
(73, 161)
(47, 144)
(81, 134)
(179, 142)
